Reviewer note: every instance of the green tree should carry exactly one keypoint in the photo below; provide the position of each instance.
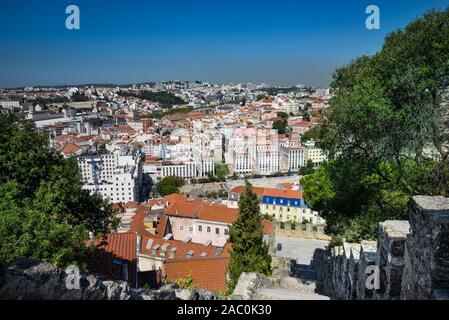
(44, 213)
(79, 97)
(280, 126)
(169, 185)
(282, 115)
(387, 110)
(249, 252)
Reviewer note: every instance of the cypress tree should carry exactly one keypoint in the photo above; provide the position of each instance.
(249, 252)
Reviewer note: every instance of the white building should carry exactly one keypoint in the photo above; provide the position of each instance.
(313, 153)
(183, 169)
(10, 105)
(205, 164)
(119, 176)
(292, 158)
(254, 150)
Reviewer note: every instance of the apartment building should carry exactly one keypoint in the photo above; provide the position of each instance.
(119, 174)
(287, 206)
(200, 222)
(265, 160)
(254, 150)
(205, 164)
(314, 154)
(183, 169)
(291, 157)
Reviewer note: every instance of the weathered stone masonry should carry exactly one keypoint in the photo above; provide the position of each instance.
(412, 258)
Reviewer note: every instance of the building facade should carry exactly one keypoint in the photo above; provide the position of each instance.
(119, 174)
(287, 206)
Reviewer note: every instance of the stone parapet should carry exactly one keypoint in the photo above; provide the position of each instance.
(410, 259)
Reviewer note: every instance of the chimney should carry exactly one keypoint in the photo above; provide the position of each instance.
(154, 249)
(163, 251)
(172, 253)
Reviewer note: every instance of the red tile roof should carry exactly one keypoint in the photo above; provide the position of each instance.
(218, 213)
(70, 148)
(184, 209)
(182, 248)
(291, 194)
(175, 197)
(209, 274)
(115, 246)
(287, 185)
(267, 227)
(199, 209)
(137, 224)
(257, 190)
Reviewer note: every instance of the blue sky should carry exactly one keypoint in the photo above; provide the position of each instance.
(279, 42)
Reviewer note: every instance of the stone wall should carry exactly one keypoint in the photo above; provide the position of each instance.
(426, 274)
(34, 280)
(409, 261)
(306, 231)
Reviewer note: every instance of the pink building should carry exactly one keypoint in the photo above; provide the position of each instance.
(201, 222)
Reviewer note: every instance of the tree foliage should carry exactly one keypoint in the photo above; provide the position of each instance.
(44, 213)
(79, 97)
(249, 252)
(169, 185)
(165, 98)
(388, 112)
(280, 126)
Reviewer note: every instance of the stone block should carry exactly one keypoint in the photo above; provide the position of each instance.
(426, 274)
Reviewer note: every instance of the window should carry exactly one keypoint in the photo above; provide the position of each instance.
(208, 229)
(200, 228)
(181, 228)
(226, 232)
(190, 229)
(217, 231)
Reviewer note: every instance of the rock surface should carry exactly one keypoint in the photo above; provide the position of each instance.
(34, 280)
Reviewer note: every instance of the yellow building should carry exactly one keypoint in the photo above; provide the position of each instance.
(287, 206)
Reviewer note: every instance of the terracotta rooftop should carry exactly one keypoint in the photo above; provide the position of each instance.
(184, 209)
(199, 251)
(138, 224)
(70, 148)
(209, 274)
(218, 213)
(267, 227)
(111, 250)
(257, 190)
(199, 209)
(175, 197)
(291, 194)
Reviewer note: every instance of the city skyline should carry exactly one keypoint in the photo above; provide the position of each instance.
(286, 44)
